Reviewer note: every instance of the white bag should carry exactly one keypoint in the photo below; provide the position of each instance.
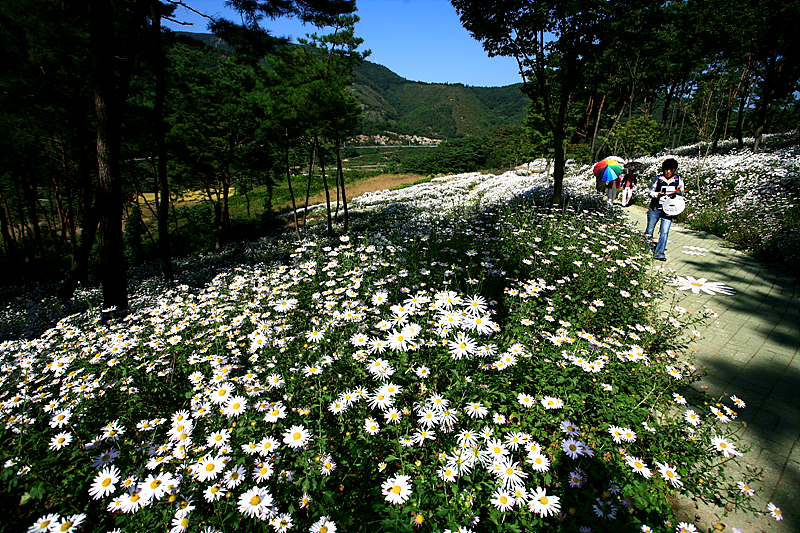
(673, 206)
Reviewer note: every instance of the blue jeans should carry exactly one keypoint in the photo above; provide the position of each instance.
(653, 216)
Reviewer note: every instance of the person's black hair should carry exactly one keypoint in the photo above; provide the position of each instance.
(669, 164)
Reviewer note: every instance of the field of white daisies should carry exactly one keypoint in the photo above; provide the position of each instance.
(466, 359)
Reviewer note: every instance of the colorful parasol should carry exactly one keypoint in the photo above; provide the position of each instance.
(608, 169)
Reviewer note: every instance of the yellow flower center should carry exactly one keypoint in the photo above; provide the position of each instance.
(255, 500)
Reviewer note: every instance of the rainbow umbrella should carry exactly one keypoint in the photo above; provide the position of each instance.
(608, 169)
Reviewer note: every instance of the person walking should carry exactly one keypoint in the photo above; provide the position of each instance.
(612, 189)
(663, 186)
(628, 181)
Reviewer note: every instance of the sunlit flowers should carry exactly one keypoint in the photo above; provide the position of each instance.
(288, 369)
(669, 474)
(104, 483)
(775, 511)
(60, 440)
(724, 446)
(296, 437)
(550, 402)
(397, 489)
(256, 502)
(638, 466)
(544, 504)
(690, 283)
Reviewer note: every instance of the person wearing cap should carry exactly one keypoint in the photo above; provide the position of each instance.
(663, 186)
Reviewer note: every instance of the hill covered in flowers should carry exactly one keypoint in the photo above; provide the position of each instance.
(466, 359)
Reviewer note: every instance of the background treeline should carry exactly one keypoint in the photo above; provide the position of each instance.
(107, 116)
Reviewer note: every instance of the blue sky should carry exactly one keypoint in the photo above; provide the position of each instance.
(420, 40)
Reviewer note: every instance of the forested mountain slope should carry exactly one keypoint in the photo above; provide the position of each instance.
(394, 104)
(433, 109)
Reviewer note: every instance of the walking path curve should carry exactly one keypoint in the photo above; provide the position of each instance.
(752, 350)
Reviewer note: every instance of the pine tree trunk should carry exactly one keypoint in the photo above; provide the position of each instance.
(164, 251)
(291, 191)
(327, 192)
(107, 105)
(340, 173)
(311, 158)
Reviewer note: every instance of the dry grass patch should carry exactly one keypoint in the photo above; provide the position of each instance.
(357, 188)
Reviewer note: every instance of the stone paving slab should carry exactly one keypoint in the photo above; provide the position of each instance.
(752, 349)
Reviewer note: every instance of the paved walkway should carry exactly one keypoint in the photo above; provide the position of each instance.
(752, 349)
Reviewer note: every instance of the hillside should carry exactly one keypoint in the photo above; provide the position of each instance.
(394, 104)
(391, 102)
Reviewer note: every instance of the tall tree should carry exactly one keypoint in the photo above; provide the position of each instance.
(114, 31)
(217, 113)
(338, 105)
(776, 50)
(110, 94)
(553, 41)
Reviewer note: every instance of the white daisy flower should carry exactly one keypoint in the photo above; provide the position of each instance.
(701, 284)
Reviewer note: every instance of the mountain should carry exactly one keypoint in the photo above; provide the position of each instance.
(394, 104)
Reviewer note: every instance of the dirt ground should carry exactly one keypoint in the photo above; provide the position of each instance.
(357, 188)
(354, 189)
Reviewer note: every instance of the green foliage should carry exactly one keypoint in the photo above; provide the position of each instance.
(636, 137)
(581, 153)
(457, 155)
(135, 231)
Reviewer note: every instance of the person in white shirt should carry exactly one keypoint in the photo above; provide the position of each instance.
(665, 185)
